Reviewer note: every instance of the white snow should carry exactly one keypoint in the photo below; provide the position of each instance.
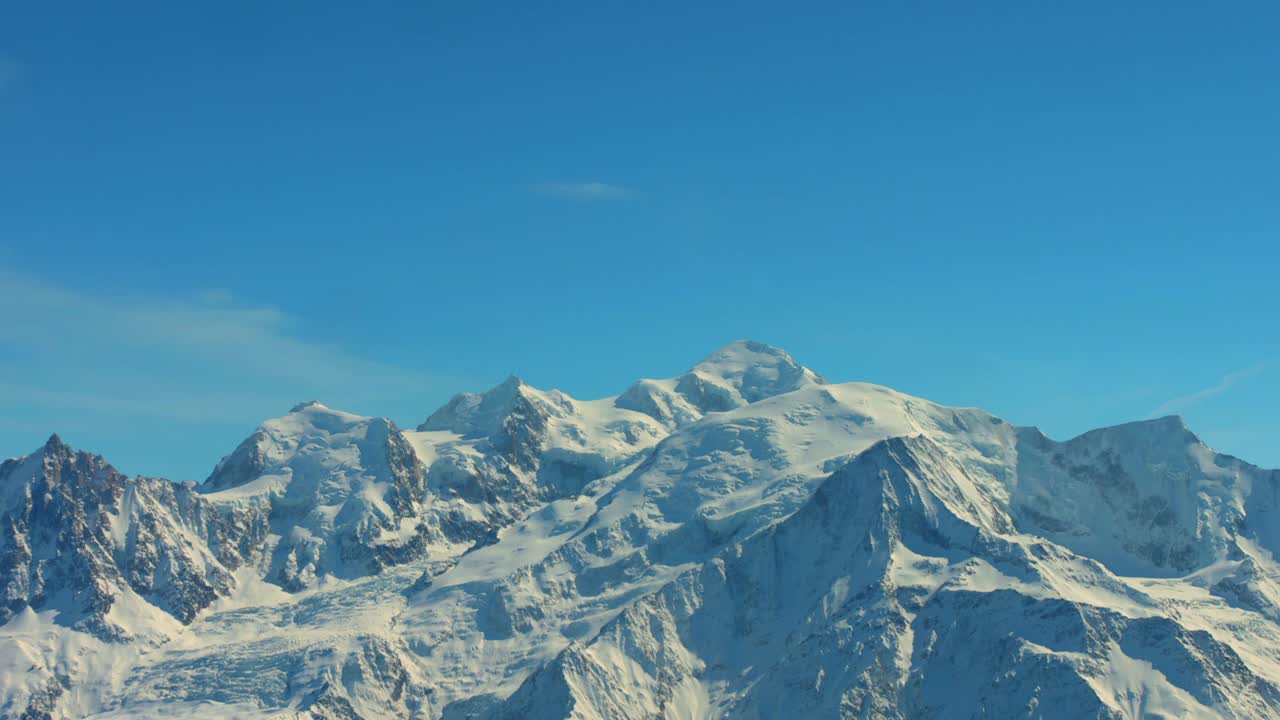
(747, 540)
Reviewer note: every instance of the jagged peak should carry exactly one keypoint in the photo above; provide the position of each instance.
(909, 472)
(850, 477)
(53, 453)
(899, 449)
(512, 382)
(470, 413)
(56, 446)
(911, 454)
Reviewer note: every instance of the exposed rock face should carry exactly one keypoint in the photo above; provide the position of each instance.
(742, 541)
(500, 454)
(78, 534)
(1149, 497)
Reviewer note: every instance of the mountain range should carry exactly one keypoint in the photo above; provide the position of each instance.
(746, 540)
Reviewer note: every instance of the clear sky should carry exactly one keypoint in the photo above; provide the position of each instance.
(1069, 216)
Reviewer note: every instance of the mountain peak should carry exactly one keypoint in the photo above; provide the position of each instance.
(1169, 430)
(764, 543)
(1172, 421)
(310, 404)
(478, 413)
(742, 372)
(744, 357)
(745, 349)
(281, 437)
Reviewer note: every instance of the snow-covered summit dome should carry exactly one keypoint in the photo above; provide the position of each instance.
(738, 374)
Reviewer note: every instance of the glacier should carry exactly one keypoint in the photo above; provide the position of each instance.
(746, 540)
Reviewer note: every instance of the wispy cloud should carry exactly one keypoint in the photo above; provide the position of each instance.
(582, 190)
(1227, 382)
(204, 358)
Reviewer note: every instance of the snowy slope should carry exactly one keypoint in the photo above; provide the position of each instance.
(746, 540)
(341, 494)
(935, 606)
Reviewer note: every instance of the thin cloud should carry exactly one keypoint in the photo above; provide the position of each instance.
(215, 296)
(582, 190)
(207, 358)
(1227, 382)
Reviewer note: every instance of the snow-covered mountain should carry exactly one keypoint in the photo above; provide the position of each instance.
(746, 540)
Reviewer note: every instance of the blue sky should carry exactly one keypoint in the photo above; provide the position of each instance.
(1067, 216)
